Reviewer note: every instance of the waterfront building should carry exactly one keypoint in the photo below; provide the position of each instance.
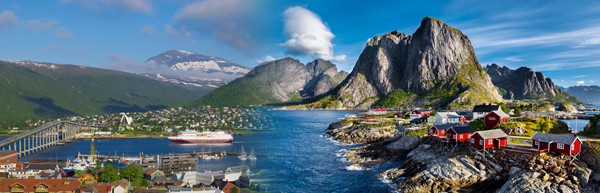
(565, 144)
(494, 138)
(178, 163)
(152, 173)
(398, 115)
(439, 130)
(460, 133)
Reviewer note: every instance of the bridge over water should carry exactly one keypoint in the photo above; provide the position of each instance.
(43, 137)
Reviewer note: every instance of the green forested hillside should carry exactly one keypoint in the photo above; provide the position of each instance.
(52, 90)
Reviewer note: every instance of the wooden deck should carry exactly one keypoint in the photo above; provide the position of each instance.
(525, 150)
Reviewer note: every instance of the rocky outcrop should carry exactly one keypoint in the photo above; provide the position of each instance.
(524, 83)
(567, 107)
(437, 63)
(349, 133)
(526, 181)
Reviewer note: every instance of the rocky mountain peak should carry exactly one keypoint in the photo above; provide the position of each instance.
(436, 57)
(525, 83)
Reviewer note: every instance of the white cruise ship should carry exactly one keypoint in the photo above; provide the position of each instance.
(192, 136)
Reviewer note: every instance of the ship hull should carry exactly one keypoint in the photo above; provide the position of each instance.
(179, 140)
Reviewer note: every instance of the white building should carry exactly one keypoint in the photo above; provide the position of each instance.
(125, 120)
(448, 117)
(207, 177)
(480, 111)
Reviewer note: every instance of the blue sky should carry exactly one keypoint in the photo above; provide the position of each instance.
(559, 38)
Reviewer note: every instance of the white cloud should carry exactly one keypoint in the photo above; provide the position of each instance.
(580, 82)
(148, 30)
(62, 33)
(210, 9)
(106, 6)
(264, 59)
(562, 80)
(578, 76)
(178, 33)
(591, 81)
(308, 35)
(7, 19)
(39, 25)
(513, 59)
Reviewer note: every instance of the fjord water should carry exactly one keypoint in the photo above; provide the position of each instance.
(295, 152)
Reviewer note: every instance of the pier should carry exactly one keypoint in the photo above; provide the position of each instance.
(43, 137)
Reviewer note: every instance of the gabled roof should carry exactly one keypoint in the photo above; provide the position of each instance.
(443, 127)
(415, 120)
(564, 139)
(494, 133)
(425, 117)
(151, 171)
(502, 114)
(422, 110)
(446, 115)
(54, 185)
(463, 129)
(486, 108)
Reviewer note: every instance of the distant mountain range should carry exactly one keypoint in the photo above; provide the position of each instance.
(281, 81)
(524, 83)
(192, 69)
(590, 94)
(47, 90)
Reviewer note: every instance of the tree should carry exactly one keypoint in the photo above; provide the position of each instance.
(234, 190)
(517, 112)
(110, 173)
(133, 172)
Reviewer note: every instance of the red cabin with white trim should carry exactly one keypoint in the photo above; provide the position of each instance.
(496, 117)
(565, 144)
(460, 133)
(418, 113)
(439, 130)
(494, 138)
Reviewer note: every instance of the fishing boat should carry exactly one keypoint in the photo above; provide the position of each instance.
(252, 156)
(243, 155)
(193, 136)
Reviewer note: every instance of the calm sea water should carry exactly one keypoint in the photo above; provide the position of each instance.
(295, 151)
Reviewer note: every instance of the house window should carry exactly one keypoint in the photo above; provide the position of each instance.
(492, 118)
(572, 147)
(560, 146)
(442, 131)
(481, 142)
(472, 140)
(470, 135)
(431, 131)
(461, 137)
(489, 142)
(537, 143)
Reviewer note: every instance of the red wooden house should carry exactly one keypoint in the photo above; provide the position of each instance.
(398, 115)
(460, 133)
(495, 118)
(439, 130)
(417, 113)
(565, 144)
(489, 139)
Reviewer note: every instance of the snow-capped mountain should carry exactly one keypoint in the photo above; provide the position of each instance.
(192, 61)
(193, 69)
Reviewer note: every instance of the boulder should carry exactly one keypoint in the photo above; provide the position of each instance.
(513, 170)
(558, 180)
(525, 181)
(404, 144)
(583, 175)
(595, 177)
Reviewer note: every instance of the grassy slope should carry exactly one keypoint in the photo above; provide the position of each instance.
(241, 91)
(70, 90)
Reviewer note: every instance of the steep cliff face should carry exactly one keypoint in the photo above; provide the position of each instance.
(524, 83)
(279, 81)
(435, 66)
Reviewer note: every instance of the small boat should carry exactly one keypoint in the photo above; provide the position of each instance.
(243, 155)
(252, 156)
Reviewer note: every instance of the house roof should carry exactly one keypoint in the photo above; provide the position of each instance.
(502, 114)
(415, 120)
(564, 139)
(463, 129)
(54, 185)
(443, 127)
(494, 133)
(446, 115)
(6, 152)
(425, 117)
(486, 108)
(150, 171)
(422, 110)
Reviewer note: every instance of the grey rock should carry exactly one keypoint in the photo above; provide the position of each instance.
(432, 57)
(525, 181)
(404, 144)
(513, 170)
(582, 175)
(523, 83)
